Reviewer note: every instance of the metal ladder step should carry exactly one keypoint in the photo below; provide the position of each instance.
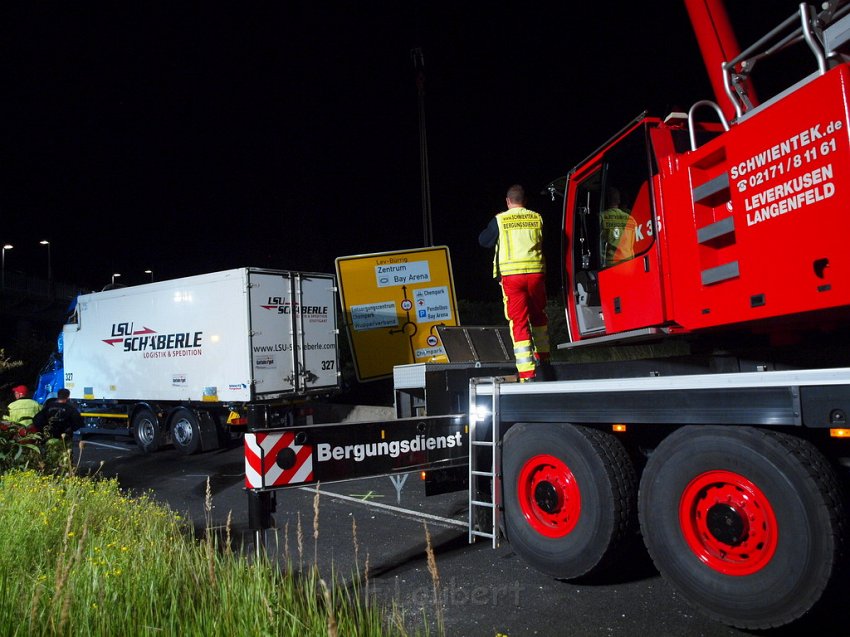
(484, 450)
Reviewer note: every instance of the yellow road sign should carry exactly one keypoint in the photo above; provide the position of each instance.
(393, 303)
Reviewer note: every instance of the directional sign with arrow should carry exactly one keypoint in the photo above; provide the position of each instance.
(392, 302)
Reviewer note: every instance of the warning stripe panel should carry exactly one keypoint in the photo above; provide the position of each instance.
(302, 471)
(261, 455)
(253, 463)
(274, 443)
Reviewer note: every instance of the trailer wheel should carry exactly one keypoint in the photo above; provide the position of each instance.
(185, 432)
(745, 523)
(148, 431)
(569, 496)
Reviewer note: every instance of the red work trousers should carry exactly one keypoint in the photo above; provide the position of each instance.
(524, 296)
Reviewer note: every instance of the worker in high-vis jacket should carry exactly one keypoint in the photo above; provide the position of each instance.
(618, 230)
(22, 410)
(519, 266)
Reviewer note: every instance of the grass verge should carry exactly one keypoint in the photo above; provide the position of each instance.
(79, 557)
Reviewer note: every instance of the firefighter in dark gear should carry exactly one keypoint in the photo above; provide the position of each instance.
(59, 417)
(519, 266)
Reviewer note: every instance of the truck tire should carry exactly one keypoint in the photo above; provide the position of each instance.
(746, 524)
(147, 431)
(185, 432)
(570, 497)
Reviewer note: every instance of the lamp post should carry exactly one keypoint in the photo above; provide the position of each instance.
(117, 274)
(6, 246)
(427, 227)
(45, 242)
(151, 273)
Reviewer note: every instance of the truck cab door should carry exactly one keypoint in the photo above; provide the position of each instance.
(611, 255)
(630, 285)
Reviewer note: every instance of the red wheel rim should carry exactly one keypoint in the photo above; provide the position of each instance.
(728, 523)
(549, 496)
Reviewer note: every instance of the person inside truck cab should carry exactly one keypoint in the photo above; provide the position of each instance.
(22, 410)
(617, 230)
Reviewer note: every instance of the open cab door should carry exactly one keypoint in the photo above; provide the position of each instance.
(612, 274)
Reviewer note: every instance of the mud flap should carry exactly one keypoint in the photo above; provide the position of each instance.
(208, 431)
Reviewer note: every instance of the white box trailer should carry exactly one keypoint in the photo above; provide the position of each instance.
(185, 358)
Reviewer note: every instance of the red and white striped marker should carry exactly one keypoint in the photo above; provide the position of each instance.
(262, 469)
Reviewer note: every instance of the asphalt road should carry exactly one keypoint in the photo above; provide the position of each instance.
(380, 524)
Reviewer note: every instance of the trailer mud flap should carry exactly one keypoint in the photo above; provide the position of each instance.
(279, 458)
(208, 431)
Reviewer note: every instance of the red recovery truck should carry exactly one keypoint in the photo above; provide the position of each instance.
(710, 412)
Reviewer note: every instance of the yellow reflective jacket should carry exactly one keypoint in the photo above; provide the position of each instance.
(618, 235)
(22, 411)
(519, 249)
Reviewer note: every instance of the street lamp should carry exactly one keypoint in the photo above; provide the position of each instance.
(115, 275)
(151, 273)
(45, 242)
(7, 246)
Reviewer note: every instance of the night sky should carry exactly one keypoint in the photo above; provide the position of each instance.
(194, 137)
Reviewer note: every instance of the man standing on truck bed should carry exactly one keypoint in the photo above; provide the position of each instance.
(519, 265)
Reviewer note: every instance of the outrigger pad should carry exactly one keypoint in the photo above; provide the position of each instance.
(480, 344)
